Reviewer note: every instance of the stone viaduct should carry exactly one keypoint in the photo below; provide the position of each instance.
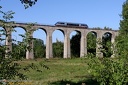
(65, 30)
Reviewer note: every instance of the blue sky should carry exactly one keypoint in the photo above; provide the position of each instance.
(95, 13)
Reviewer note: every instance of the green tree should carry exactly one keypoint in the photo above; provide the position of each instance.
(58, 49)
(28, 3)
(2, 48)
(75, 45)
(18, 51)
(9, 68)
(122, 39)
(106, 44)
(39, 48)
(91, 43)
(109, 71)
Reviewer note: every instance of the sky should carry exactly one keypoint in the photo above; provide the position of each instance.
(94, 13)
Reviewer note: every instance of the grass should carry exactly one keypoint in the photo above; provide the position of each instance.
(60, 72)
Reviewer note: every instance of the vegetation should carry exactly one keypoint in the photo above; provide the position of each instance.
(91, 43)
(75, 45)
(39, 48)
(109, 71)
(60, 72)
(122, 39)
(58, 49)
(9, 68)
(103, 71)
(28, 3)
(106, 43)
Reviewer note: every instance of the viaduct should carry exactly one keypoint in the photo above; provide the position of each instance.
(30, 28)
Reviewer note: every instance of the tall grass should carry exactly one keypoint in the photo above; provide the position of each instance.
(73, 70)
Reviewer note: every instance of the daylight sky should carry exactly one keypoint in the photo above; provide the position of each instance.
(94, 13)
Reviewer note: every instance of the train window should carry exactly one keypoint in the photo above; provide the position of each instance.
(83, 25)
(71, 24)
(61, 23)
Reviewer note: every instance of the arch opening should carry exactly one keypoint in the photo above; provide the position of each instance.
(2, 41)
(2, 36)
(75, 40)
(58, 43)
(91, 43)
(106, 44)
(39, 43)
(18, 43)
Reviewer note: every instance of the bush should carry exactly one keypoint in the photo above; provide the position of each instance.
(109, 71)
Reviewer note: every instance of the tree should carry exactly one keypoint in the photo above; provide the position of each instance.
(9, 68)
(18, 51)
(109, 71)
(39, 48)
(58, 49)
(106, 44)
(75, 45)
(122, 39)
(91, 43)
(28, 3)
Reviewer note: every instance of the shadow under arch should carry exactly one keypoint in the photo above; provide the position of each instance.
(91, 43)
(39, 43)
(75, 41)
(58, 43)
(106, 44)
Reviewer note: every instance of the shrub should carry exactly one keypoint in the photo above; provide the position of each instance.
(109, 71)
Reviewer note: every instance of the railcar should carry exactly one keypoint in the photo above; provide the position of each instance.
(69, 24)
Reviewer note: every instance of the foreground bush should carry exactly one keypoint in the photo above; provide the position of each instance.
(109, 71)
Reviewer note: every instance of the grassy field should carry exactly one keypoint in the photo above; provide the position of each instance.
(60, 72)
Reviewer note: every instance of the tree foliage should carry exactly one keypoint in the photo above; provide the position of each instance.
(39, 48)
(75, 45)
(91, 43)
(122, 39)
(9, 67)
(28, 3)
(18, 50)
(109, 71)
(58, 49)
(106, 44)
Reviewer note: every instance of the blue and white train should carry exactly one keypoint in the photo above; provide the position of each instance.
(69, 24)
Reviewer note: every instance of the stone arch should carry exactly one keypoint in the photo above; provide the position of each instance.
(3, 28)
(37, 28)
(107, 34)
(40, 29)
(2, 41)
(94, 32)
(57, 44)
(15, 31)
(17, 36)
(106, 44)
(91, 43)
(61, 30)
(19, 27)
(39, 42)
(3, 33)
(75, 43)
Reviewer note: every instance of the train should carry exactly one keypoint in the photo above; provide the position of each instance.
(69, 24)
